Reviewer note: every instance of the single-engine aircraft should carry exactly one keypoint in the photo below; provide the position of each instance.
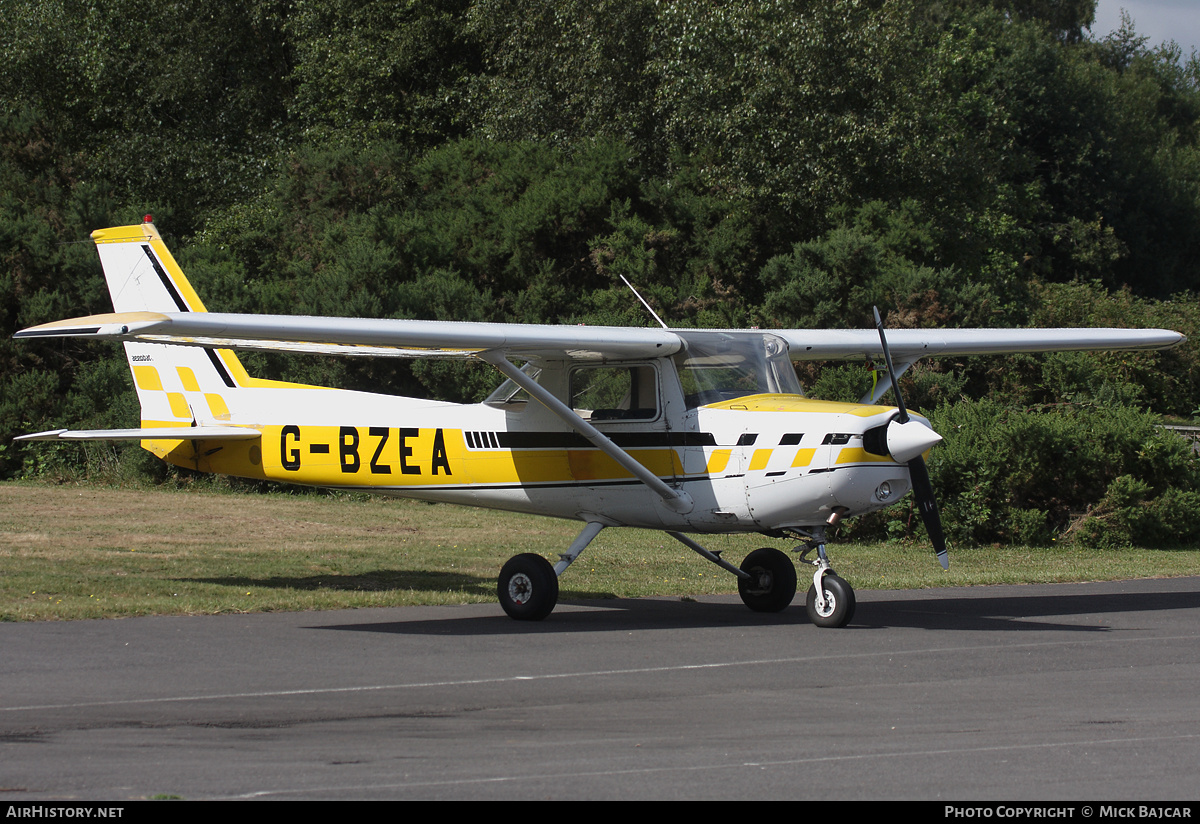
(685, 431)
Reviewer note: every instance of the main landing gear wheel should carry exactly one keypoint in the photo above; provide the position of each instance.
(773, 580)
(528, 587)
(839, 604)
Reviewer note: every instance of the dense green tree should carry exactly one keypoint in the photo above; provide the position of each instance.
(380, 70)
(800, 106)
(563, 70)
(882, 257)
(180, 105)
(1066, 19)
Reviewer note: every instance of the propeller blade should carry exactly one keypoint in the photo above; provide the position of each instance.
(918, 473)
(927, 506)
(887, 359)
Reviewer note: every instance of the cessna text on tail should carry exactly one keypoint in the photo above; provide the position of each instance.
(686, 431)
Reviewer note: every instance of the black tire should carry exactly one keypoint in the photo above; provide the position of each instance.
(528, 587)
(839, 608)
(773, 584)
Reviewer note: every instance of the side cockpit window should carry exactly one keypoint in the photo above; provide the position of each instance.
(509, 396)
(615, 393)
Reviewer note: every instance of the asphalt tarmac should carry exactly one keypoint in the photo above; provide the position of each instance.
(1041, 693)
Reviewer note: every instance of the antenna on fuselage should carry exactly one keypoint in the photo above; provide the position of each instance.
(643, 300)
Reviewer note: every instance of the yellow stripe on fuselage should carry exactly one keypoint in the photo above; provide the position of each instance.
(804, 457)
(794, 403)
(413, 457)
(242, 378)
(855, 454)
(718, 460)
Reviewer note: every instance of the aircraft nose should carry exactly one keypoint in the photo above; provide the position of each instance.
(906, 441)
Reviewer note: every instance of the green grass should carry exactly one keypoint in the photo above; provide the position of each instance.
(72, 552)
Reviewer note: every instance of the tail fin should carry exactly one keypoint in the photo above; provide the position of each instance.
(176, 385)
(142, 274)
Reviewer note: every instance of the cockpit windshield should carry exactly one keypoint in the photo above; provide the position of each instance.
(718, 366)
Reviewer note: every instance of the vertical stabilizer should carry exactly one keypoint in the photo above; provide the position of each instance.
(142, 274)
(176, 385)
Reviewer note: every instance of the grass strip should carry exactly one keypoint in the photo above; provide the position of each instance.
(76, 551)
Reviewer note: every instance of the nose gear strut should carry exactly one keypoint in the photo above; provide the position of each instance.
(830, 601)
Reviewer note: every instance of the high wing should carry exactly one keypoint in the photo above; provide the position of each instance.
(910, 344)
(365, 336)
(422, 338)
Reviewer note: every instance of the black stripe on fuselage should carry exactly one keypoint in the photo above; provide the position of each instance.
(557, 484)
(573, 440)
(515, 486)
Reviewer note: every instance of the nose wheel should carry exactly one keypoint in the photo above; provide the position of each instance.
(830, 600)
(835, 606)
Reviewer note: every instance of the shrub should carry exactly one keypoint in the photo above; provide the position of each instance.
(1102, 477)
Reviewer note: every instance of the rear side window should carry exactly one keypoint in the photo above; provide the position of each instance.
(615, 393)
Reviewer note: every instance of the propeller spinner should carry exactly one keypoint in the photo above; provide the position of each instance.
(907, 441)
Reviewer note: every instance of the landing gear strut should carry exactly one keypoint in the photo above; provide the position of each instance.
(767, 579)
(830, 600)
(528, 584)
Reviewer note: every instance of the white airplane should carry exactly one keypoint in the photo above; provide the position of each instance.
(685, 431)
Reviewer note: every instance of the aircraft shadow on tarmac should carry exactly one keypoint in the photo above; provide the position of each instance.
(373, 580)
(1003, 613)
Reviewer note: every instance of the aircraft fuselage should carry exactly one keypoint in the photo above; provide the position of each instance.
(759, 462)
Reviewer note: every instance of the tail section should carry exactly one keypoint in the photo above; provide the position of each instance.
(185, 392)
(176, 385)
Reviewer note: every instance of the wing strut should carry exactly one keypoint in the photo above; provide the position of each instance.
(885, 383)
(676, 500)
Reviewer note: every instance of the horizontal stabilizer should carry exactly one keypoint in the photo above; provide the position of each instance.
(112, 325)
(191, 433)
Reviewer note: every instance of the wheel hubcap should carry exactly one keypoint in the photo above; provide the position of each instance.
(762, 583)
(520, 588)
(830, 605)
